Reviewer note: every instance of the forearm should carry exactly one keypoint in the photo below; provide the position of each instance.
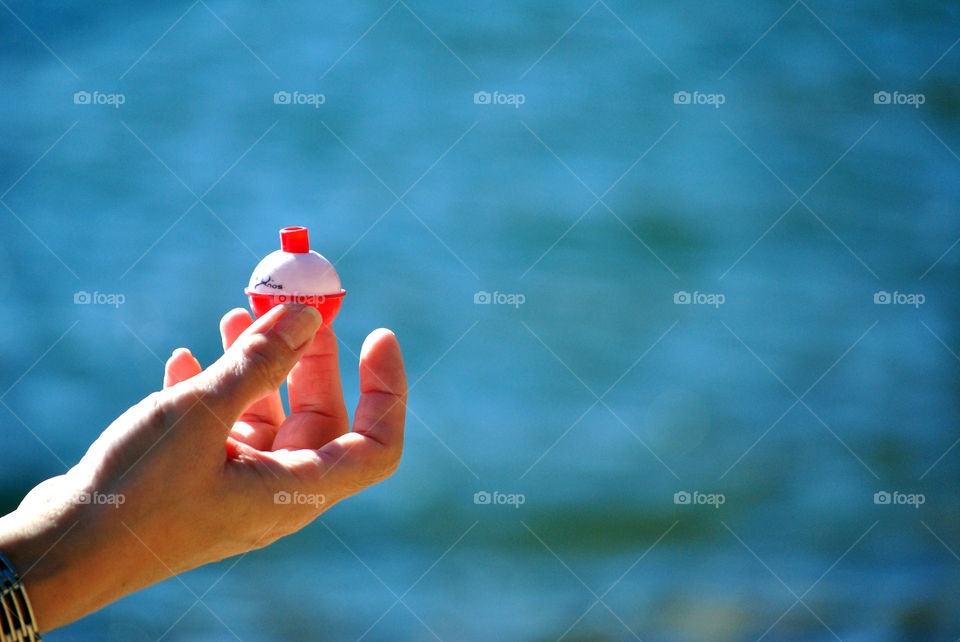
(66, 572)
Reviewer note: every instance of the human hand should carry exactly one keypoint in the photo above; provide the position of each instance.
(199, 471)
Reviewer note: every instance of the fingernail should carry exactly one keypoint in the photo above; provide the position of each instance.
(298, 324)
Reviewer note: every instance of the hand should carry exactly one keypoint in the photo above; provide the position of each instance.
(210, 467)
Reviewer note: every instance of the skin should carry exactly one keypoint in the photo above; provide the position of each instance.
(199, 465)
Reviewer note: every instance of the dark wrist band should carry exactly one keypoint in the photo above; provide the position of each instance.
(16, 619)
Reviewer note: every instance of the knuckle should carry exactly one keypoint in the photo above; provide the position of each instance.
(392, 460)
(259, 360)
(372, 467)
(384, 463)
(157, 408)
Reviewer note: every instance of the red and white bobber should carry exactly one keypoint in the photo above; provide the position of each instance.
(295, 274)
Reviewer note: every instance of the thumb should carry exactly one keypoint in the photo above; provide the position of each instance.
(257, 362)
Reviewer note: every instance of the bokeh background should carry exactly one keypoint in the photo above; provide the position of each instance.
(597, 199)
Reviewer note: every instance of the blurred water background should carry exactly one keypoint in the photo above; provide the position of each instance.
(597, 199)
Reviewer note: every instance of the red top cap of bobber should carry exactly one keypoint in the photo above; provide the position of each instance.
(295, 240)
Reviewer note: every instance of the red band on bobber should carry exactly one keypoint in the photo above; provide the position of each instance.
(326, 304)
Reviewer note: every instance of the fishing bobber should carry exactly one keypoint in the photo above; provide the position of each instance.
(295, 274)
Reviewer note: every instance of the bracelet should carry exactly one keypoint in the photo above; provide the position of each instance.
(17, 622)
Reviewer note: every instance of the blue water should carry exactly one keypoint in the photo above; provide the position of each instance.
(504, 199)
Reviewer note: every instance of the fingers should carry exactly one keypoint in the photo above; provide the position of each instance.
(232, 326)
(263, 413)
(372, 451)
(317, 412)
(383, 390)
(179, 367)
(257, 362)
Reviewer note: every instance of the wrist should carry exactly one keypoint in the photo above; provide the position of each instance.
(65, 568)
(18, 621)
(31, 546)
